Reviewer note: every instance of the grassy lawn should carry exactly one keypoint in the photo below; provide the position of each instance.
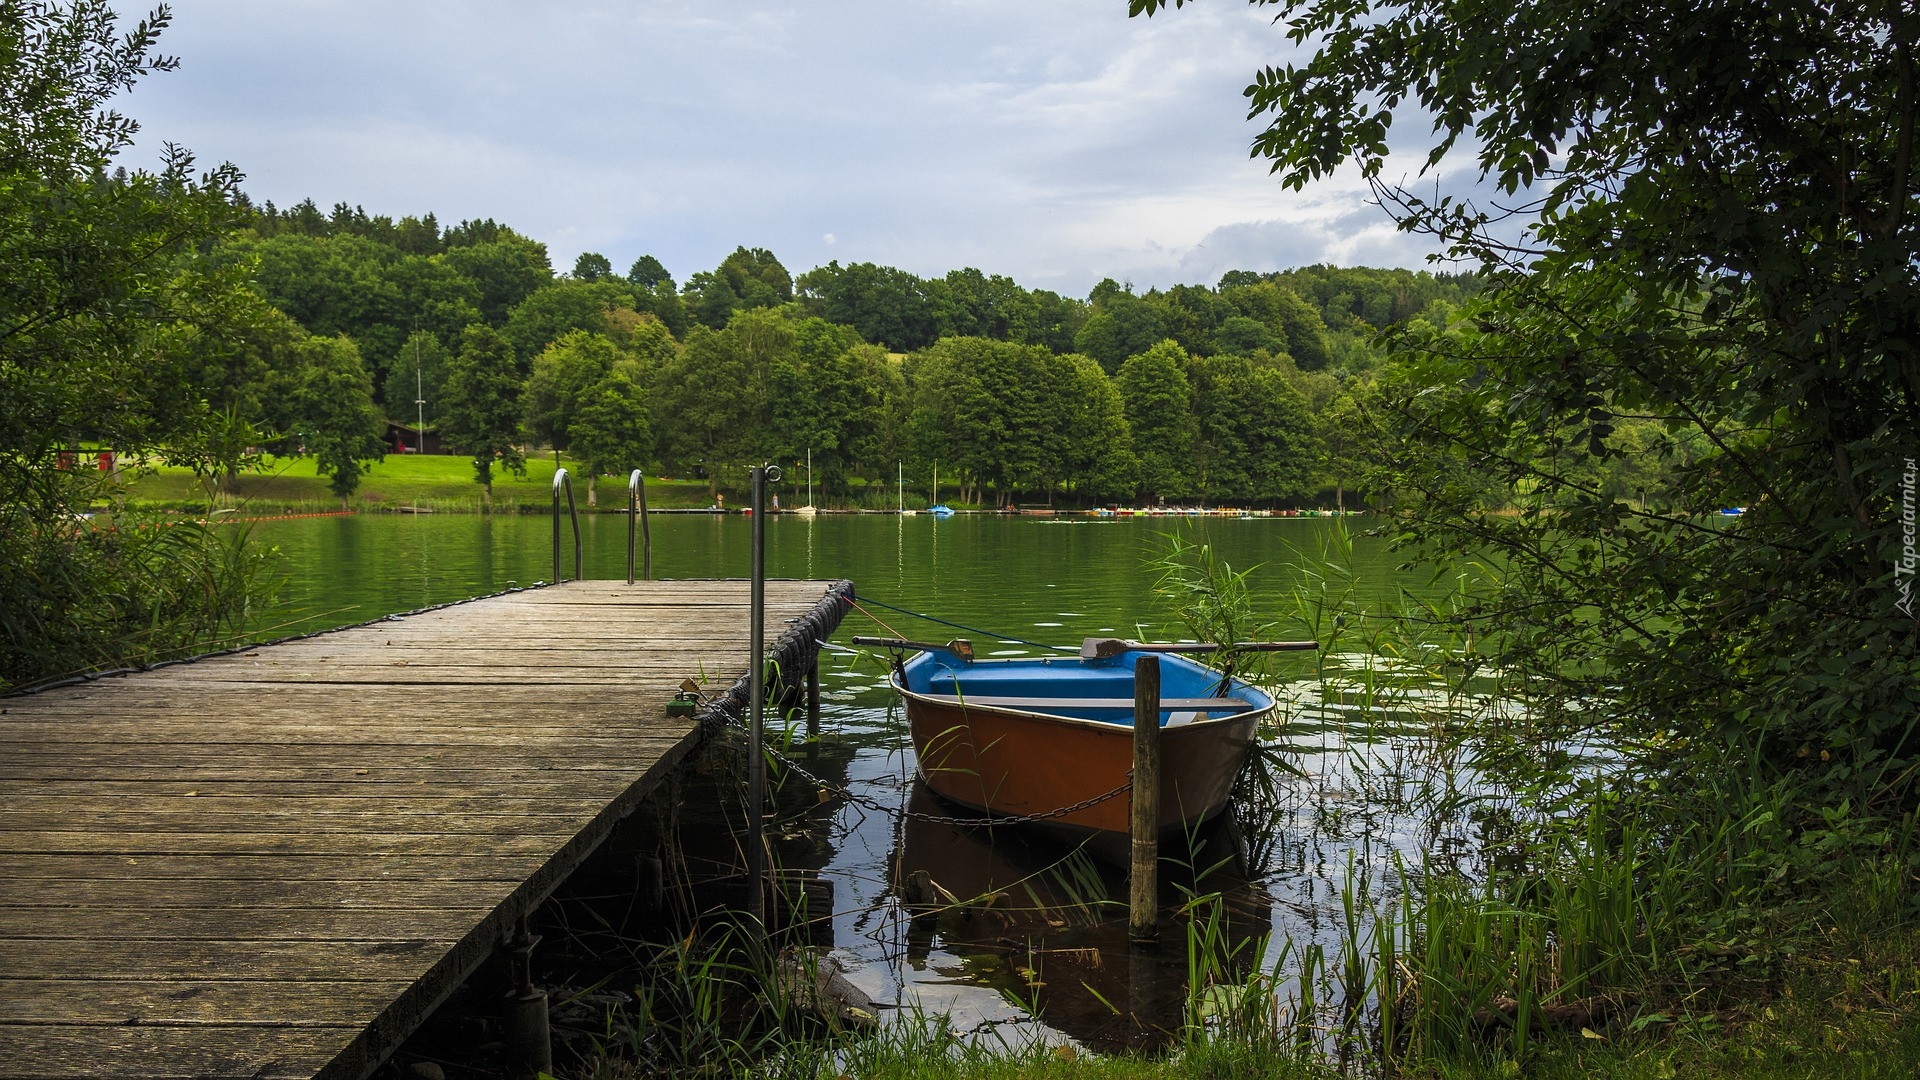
(438, 482)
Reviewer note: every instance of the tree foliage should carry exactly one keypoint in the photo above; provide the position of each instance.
(1719, 241)
(110, 309)
(562, 376)
(1159, 404)
(610, 431)
(482, 414)
(338, 423)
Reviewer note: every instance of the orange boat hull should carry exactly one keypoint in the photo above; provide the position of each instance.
(1020, 764)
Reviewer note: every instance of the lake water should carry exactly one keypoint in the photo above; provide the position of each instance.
(1055, 961)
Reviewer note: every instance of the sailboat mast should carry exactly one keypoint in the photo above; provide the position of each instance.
(809, 476)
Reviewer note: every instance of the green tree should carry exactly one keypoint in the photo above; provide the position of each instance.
(979, 407)
(829, 395)
(756, 277)
(1159, 408)
(558, 309)
(610, 430)
(592, 266)
(562, 375)
(505, 267)
(717, 390)
(1254, 436)
(1345, 433)
(1294, 324)
(647, 272)
(1723, 241)
(419, 373)
(338, 422)
(887, 306)
(745, 280)
(1095, 445)
(968, 303)
(1122, 325)
(482, 413)
(105, 303)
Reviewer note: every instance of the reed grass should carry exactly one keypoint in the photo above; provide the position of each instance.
(1588, 916)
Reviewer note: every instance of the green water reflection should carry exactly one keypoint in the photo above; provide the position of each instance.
(1049, 579)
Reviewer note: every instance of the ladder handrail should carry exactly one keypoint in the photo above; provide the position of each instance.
(637, 508)
(560, 480)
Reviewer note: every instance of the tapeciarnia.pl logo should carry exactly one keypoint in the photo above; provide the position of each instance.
(1904, 566)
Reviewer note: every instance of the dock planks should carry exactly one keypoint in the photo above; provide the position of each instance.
(276, 863)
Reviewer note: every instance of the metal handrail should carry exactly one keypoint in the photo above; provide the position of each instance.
(637, 509)
(560, 480)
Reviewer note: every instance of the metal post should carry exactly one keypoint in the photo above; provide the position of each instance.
(529, 1038)
(419, 402)
(813, 699)
(559, 477)
(646, 533)
(757, 676)
(561, 480)
(1143, 893)
(637, 518)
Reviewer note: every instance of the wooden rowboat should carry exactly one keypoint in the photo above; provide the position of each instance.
(1050, 740)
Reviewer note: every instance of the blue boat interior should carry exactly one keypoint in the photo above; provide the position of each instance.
(1068, 686)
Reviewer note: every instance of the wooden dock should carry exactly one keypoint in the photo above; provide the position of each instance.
(276, 863)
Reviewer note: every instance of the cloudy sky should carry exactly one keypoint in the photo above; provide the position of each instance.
(1056, 141)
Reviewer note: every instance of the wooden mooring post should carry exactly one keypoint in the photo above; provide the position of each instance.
(1143, 892)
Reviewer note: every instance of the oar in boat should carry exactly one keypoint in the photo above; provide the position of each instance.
(1094, 648)
(959, 647)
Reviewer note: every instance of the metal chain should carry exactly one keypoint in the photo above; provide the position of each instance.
(939, 819)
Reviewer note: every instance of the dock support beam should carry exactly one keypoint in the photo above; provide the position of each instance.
(529, 1039)
(757, 703)
(1143, 893)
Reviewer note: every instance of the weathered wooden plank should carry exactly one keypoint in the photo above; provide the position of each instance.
(235, 960)
(413, 746)
(396, 869)
(49, 842)
(285, 1004)
(296, 781)
(413, 822)
(331, 831)
(203, 894)
(563, 801)
(427, 778)
(252, 923)
(44, 1052)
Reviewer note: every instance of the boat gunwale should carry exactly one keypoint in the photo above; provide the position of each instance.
(1257, 714)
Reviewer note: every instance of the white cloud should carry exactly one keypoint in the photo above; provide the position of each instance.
(1058, 143)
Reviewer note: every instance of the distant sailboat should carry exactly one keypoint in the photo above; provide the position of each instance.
(808, 510)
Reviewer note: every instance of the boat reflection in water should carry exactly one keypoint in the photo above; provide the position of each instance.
(1045, 925)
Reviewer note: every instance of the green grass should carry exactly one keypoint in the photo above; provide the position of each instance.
(438, 482)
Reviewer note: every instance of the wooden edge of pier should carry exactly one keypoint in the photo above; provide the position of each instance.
(278, 862)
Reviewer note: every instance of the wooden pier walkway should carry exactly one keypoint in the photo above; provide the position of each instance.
(276, 863)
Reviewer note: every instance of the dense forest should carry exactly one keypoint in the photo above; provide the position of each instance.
(1242, 392)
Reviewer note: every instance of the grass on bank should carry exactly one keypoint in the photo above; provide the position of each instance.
(1846, 1010)
(445, 483)
(439, 482)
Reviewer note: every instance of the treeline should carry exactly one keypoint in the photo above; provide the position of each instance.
(1241, 392)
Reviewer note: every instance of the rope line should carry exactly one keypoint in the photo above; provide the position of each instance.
(875, 618)
(956, 626)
